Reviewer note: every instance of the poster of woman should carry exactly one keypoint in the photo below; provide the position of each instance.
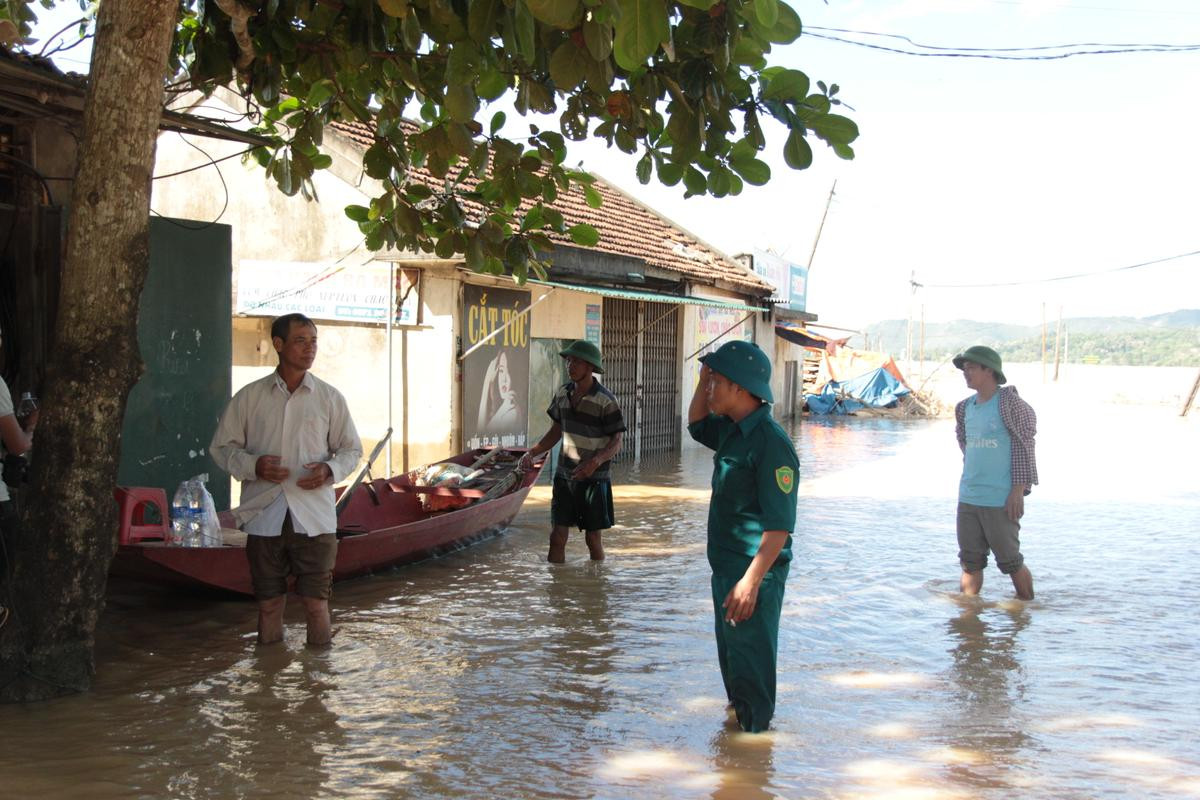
(496, 373)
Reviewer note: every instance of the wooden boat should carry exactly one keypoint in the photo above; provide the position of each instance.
(382, 523)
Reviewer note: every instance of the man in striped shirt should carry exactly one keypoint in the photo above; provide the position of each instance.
(995, 430)
(587, 417)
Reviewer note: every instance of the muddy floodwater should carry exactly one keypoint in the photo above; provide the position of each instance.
(489, 673)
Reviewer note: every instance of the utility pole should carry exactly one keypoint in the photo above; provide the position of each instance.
(821, 227)
(922, 341)
(1043, 341)
(1066, 346)
(908, 345)
(1057, 338)
(1191, 397)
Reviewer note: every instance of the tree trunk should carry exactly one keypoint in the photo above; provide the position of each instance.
(68, 529)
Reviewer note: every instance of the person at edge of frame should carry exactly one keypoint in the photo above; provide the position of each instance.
(16, 439)
(751, 517)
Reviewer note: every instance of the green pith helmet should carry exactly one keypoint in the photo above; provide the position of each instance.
(984, 356)
(584, 351)
(745, 364)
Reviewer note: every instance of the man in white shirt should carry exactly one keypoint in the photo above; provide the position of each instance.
(288, 437)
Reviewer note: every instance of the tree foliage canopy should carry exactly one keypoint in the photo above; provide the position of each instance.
(684, 86)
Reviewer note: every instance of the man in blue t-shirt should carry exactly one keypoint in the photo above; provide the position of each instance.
(995, 430)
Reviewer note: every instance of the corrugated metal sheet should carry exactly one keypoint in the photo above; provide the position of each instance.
(640, 341)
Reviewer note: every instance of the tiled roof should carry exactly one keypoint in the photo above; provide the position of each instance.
(627, 227)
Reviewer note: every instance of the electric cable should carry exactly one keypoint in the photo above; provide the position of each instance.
(224, 185)
(917, 284)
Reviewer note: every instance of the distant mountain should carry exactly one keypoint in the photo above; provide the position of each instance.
(1171, 339)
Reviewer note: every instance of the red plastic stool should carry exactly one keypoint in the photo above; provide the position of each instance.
(133, 501)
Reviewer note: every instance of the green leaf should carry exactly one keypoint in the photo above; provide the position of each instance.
(524, 24)
(481, 19)
(786, 28)
(320, 92)
(584, 235)
(461, 103)
(376, 161)
(394, 8)
(563, 14)
(694, 181)
(670, 174)
(719, 182)
(644, 168)
(476, 257)
(492, 84)
(534, 219)
(592, 197)
(767, 12)
(498, 120)
(357, 213)
(322, 161)
(796, 151)
(787, 84)
(835, 128)
(755, 172)
(445, 246)
(599, 39)
(568, 66)
(641, 28)
(477, 165)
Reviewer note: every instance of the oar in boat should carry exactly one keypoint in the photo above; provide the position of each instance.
(344, 500)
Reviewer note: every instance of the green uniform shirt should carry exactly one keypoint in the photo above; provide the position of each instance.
(753, 483)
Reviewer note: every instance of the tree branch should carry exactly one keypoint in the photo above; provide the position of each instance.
(239, 16)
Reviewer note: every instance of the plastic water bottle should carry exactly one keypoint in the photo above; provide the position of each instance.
(180, 516)
(195, 500)
(27, 405)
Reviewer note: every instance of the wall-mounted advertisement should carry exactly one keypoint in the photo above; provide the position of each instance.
(715, 327)
(326, 291)
(776, 272)
(592, 323)
(495, 375)
(798, 297)
(789, 279)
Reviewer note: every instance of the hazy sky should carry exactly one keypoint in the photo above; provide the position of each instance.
(980, 170)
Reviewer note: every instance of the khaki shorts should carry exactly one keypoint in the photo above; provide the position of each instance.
(309, 558)
(983, 528)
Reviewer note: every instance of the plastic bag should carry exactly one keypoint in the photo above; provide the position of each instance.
(210, 524)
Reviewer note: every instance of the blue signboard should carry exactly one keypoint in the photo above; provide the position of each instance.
(799, 288)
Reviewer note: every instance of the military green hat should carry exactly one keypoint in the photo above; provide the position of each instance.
(745, 364)
(984, 356)
(584, 351)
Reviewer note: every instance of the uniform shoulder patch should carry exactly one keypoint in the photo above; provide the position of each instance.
(785, 479)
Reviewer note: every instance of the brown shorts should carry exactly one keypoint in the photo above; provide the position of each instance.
(309, 558)
(982, 528)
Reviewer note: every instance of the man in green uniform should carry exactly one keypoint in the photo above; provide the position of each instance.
(750, 521)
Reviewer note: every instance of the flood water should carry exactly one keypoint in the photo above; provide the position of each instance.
(489, 673)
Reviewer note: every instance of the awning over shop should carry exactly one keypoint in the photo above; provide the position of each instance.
(796, 333)
(652, 297)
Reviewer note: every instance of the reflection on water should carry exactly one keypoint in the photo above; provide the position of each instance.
(489, 673)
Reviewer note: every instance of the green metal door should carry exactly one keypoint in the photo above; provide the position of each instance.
(184, 332)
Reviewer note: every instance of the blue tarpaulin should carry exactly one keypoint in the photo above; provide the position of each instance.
(877, 389)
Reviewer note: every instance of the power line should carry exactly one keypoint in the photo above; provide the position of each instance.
(918, 285)
(331, 270)
(999, 53)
